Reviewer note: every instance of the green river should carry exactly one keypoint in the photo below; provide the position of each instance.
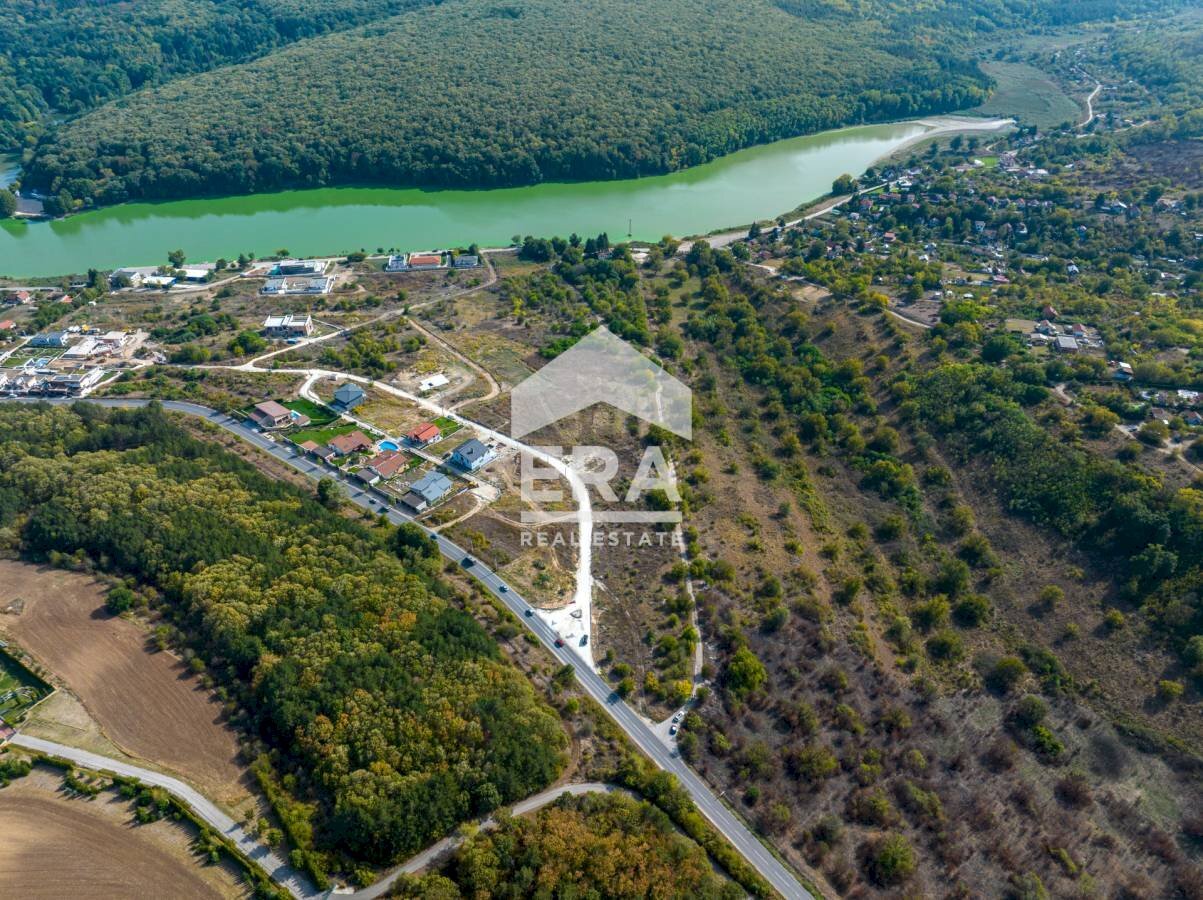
(756, 183)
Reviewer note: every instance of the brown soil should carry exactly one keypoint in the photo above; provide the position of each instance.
(146, 702)
(55, 846)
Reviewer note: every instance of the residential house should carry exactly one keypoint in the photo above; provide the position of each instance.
(1066, 344)
(348, 395)
(427, 490)
(346, 444)
(1157, 414)
(309, 447)
(8, 325)
(50, 339)
(467, 261)
(270, 415)
(426, 433)
(470, 455)
(388, 464)
(437, 380)
(158, 281)
(288, 326)
(196, 274)
(72, 385)
(1193, 418)
(85, 348)
(300, 267)
(425, 260)
(1123, 372)
(282, 286)
(126, 277)
(19, 298)
(396, 263)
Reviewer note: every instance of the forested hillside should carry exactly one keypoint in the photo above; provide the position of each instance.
(391, 715)
(62, 57)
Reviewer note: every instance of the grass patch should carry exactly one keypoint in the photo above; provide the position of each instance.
(321, 435)
(1028, 94)
(318, 415)
(447, 426)
(19, 688)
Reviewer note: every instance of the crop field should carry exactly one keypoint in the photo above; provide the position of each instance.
(1029, 95)
(56, 846)
(146, 702)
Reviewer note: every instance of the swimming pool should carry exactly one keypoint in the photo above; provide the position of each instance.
(389, 445)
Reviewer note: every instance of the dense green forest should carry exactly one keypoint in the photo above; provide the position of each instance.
(62, 57)
(598, 845)
(342, 649)
(477, 93)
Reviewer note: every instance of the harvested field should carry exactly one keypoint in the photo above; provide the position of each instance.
(146, 702)
(55, 846)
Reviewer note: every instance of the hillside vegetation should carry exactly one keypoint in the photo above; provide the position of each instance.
(389, 714)
(62, 57)
(482, 93)
(592, 846)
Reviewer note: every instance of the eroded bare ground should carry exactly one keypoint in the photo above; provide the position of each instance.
(145, 701)
(55, 845)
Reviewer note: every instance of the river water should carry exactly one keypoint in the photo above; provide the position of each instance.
(756, 183)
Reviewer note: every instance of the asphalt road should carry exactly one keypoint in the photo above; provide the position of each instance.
(667, 758)
(281, 873)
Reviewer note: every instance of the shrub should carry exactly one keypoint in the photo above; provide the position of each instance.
(1074, 791)
(891, 860)
(1114, 620)
(972, 611)
(745, 673)
(1005, 674)
(1170, 690)
(872, 807)
(931, 614)
(1045, 742)
(946, 645)
(1029, 712)
(120, 599)
(1051, 597)
(812, 763)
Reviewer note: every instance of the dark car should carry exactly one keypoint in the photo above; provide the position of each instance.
(559, 642)
(467, 562)
(504, 589)
(529, 613)
(584, 639)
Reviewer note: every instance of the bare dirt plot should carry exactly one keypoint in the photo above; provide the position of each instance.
(55, 846)
(146, 702)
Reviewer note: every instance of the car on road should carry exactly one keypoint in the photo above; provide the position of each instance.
(504, 589)
(467, 562)
(559, 641)
(529, 613)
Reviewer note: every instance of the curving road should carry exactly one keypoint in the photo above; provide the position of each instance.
(279, 871)
(776, 873)
(446, 845)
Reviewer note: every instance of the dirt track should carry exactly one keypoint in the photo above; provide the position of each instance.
(57, 847)
(146, 702)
